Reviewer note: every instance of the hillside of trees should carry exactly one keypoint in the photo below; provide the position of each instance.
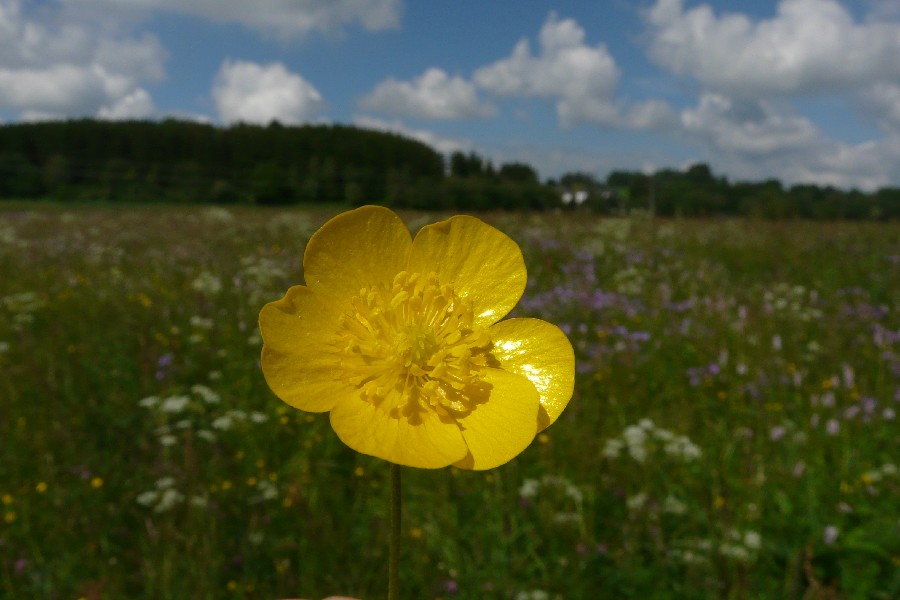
(179, 161)
(186, 162)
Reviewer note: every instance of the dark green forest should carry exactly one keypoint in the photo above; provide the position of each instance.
(186, 162)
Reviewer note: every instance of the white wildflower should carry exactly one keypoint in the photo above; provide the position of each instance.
(207, 283)
(168, 499)
(206, 394)
(147, 498)
(529, 488)
(613, 448)
(148, 402)
(174, 404)
(636, 502)
(222, 423)
(202, 323)
(164, 483)
(752, 540)
(673, 506)
(533, 595)
(567, 518)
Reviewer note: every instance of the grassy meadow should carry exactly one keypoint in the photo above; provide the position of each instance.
(733, 433)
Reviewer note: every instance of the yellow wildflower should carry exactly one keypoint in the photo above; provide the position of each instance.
(401, 340)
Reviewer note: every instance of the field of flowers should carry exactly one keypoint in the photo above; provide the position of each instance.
(733, 434)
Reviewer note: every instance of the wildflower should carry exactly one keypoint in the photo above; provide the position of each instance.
(777, 432)
(174, 404)
(206, 394)
(207, 283)
(148, 402)
(399, 339)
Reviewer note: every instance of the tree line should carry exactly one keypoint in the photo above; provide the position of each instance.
(181, 161)
(188, 162)
(698, 192)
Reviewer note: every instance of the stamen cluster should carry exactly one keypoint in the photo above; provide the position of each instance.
(413, 346)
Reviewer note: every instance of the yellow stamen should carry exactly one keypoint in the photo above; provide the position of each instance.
(413, 346)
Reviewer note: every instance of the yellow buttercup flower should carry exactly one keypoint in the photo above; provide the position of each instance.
(401, 340)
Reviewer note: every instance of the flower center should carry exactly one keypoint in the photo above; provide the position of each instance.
(413, 346)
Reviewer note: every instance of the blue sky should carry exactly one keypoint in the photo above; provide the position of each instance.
(800, 90)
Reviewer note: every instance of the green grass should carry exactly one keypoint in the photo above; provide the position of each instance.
(733, 432)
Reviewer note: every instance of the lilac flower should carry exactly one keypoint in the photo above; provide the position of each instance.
(830, 535)
(832, 427)
(851, 411)
(868, 404)
(849, 376)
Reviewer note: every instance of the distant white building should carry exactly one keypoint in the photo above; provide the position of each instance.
(576, 197)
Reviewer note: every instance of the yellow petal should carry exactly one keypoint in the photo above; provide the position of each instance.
(481, 263)
(356, 249)
(541, 352)
(426, 442)
(299, 319)
(297, 361)
(498, 430)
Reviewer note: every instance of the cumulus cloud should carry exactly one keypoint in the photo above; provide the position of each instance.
(580, 78)
(754, 139)
(136, 105)
(433, 95)
(882, 101)
(442, 144)
(253, 93)
(808, 46)
(53, 68)
(285, 19)
(747, 127)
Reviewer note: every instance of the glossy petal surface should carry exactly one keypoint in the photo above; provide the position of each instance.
(362, 247)
(297, 361)
(541, 352)
(426, 441)
(498, 430)
(481, 263)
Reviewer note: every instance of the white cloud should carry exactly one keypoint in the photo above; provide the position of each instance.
(136, 105)
(754, 140)
(441, 144)
(285, 19)
(433, 95)
(582, 79)
(747, 127)
(53, 68)
(882, 101)
(808, 46)
(252, 93)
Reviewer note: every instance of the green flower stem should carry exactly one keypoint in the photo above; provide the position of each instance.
(394, 557)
